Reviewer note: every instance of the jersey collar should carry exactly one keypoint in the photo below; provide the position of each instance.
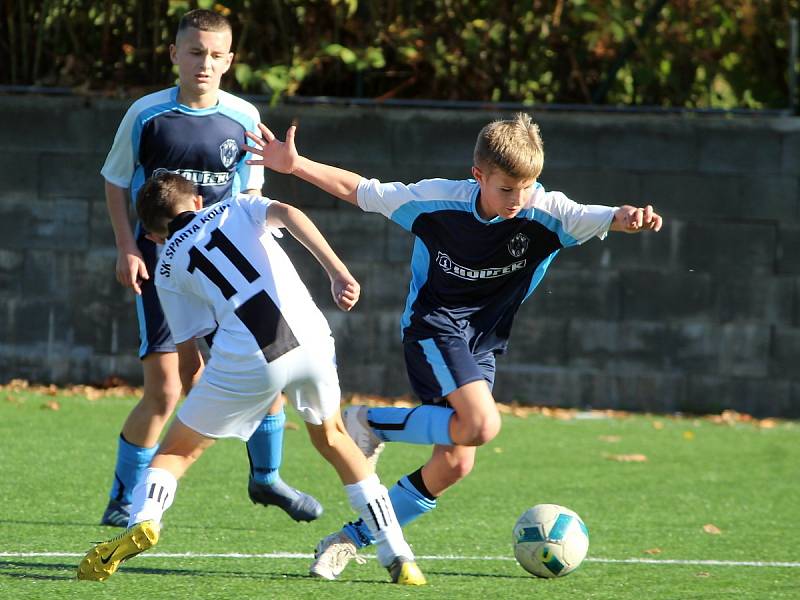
(476, 194)
(180, 221)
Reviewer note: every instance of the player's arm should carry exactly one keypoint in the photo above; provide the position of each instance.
(130, 266)
(283, 158)
(344, 288)
(190, 364)
(631, 219)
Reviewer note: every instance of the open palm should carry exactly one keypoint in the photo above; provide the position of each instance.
(275, 155)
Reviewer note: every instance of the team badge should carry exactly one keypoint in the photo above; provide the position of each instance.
(518, 245)
(228, 152)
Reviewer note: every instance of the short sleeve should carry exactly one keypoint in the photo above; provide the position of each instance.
(251, 177)
(256, 208)
(120, 163)
(573, 223)
(403, 203)
(188, 316)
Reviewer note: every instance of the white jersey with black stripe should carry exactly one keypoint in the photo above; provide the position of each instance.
(222, 269)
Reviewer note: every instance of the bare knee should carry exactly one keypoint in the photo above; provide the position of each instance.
(160, 401)
(326, 440)
(478, 431)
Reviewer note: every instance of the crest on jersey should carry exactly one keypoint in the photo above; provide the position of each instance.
(228, 152)
(518, 245)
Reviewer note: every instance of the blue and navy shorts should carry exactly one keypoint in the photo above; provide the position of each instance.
(438, 366)
(154, 333)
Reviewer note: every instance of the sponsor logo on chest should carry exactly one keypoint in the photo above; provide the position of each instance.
(452, 268)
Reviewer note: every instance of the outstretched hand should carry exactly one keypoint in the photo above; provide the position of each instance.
(346, 291)
(275, 155)
(630, 219)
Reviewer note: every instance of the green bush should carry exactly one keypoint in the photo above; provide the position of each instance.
(678, 53)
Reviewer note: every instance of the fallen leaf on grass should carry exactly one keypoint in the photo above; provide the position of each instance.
(562, 414)
(712, 529)
(658, 425)
(627, 457)
(51, 405)
(653, 551)
(688, 435)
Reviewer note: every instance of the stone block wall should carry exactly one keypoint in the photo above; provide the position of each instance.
(698, 318)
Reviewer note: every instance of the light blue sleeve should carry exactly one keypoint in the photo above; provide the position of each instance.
(573, 223)
(403, 203)
(120, 162)
(250, 177)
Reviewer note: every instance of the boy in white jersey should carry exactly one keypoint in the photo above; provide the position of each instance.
(195, 130)
(221, 269)
(482, 246)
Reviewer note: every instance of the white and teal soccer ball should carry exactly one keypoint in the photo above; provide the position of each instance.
(550, 540)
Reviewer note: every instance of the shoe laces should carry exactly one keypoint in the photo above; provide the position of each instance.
(339, 551)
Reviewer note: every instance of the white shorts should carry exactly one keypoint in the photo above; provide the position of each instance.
(234, 392)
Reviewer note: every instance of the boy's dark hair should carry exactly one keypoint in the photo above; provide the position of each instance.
(204, 20)
(160, 199)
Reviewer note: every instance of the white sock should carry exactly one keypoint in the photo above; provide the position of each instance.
(152, 496)
(371, 500)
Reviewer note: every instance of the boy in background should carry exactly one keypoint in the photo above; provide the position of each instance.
(195, 130)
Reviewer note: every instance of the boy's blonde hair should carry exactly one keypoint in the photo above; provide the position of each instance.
(514, 146)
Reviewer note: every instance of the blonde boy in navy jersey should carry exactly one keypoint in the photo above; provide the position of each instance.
(481, 247)
(222, 269)
(195, 130)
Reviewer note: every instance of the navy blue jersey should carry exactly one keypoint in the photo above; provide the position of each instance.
(160, 134)
(470, 275)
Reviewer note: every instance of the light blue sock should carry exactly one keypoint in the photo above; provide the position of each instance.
(131, 463)
(409, 504)
(425, 424)
(265, 448)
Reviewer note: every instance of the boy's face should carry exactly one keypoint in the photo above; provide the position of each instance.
(501, 194)
(202, 57)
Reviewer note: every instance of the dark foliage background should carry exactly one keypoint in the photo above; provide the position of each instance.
(676, 53)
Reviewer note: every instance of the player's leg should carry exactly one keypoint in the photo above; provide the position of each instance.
(314, 392)
(369, 498)
(151, 497)
(437, 368)
(138, 440)
(265, 452)
(416, 494)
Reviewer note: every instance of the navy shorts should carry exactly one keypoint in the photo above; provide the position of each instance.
(154, 333)
(439, 366)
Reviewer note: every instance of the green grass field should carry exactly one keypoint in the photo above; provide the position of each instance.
(646, 518)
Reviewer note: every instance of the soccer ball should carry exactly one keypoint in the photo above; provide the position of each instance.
(550, 540)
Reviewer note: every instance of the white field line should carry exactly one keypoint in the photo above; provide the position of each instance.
(236, 555)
